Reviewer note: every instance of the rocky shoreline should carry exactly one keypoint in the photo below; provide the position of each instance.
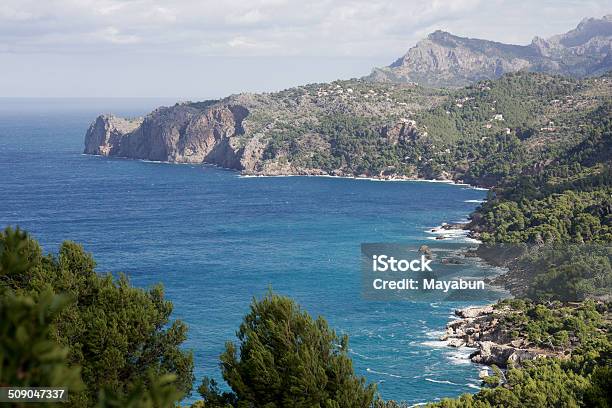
(479, 328)
(393, 177)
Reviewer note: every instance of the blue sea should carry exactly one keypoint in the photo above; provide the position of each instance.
(215, 240)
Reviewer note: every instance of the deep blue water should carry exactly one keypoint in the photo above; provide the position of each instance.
(215, 240)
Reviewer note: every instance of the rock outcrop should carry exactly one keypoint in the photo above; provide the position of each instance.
(478, 328)
(106, 132)
(443, 59)
(502, 355)
(182, 133)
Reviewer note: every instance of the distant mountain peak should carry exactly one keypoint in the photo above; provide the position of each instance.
(440, 35)
(444, 59)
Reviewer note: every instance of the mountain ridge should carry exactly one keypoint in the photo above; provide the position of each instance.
(446, 60)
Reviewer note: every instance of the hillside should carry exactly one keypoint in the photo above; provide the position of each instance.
(295, 131)
(356, 128)
(443, 59)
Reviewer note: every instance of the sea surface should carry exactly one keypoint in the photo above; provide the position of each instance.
(216, 240)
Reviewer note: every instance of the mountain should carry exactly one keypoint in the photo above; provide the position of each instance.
(286, 132)
(366, 129)
(446, 60)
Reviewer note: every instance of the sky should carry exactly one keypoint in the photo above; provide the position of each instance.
(198, 49)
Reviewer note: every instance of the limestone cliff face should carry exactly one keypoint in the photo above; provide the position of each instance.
(183, 133)
(443, 59)
(107, 131)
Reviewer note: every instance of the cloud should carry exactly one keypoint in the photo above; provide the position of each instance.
(244, 43)
(9, 13)
(274, 27)
(113, 35)
(247, 18)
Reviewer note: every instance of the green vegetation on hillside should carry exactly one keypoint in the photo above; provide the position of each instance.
(554, 325)
(583, 381)
(564, 197)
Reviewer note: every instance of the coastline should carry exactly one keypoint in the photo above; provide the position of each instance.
(243, 174)
(369, 178)
(474, 327)
(479, 328)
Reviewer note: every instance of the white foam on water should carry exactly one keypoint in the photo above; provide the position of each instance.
(434, 343)
(460, 356)
(440, 381)
(369, 370)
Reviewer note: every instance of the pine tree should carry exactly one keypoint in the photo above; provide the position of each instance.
(285, 358)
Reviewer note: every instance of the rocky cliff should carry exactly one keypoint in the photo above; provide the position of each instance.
(286, 132)
(184, 133)
(479, 328)
(106, 133)
(514, 331)
(443, 59)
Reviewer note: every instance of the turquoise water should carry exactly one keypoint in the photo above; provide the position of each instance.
(215, 240)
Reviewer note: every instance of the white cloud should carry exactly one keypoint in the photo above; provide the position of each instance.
(113, 35)
(275, 27)
(8, 13)
(241, 42)
(250, 17)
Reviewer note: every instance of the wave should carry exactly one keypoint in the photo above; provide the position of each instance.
(460, 356)
(434, 344)
(457, 238)
(450, 232)
(323, 175)
(359, 354)
(460, 235)
(475, 201)
(369, 370)
(435, 333)
(441, 381)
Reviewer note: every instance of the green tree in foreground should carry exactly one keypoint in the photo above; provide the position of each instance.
(287, 359)
(110, 344)
(28, 358)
